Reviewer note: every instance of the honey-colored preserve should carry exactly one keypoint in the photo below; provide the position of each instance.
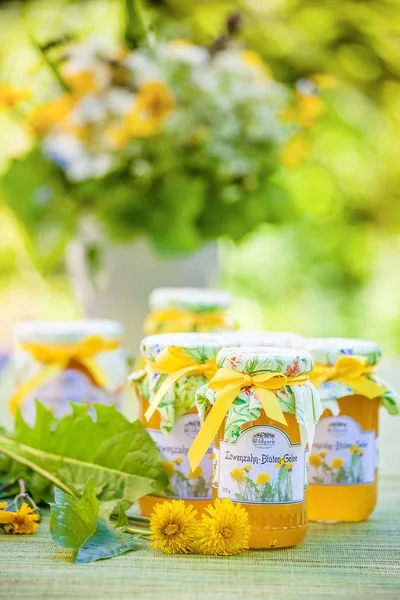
(274, 525)
(352, 503)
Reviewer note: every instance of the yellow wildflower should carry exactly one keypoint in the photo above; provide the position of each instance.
(24, 521)
(169, 467)
(262, 478)
(323, 453)
(81, 83)
(353, 449)
(295, 151)
(11, 96)
(178, 460)
(237, 475)
(337, 463)
(46, 115)
(309, 109)
(174, 527)
(315, 460)
(289, 466)
(360, 451)
(155, 100)
(224, 529)
(280, 463)
(247, 468)
(198, 472)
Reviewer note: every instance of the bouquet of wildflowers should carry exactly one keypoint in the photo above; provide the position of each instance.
(176, 141)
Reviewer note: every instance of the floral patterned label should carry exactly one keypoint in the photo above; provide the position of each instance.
(174, 447)
(261, 467)
(342, 453)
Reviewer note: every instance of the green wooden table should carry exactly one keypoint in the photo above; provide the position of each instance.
(337, 561)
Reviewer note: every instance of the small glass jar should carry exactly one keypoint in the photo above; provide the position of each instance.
(188, 360)
(343, 470)
(188, 310)
(260, 461)
(58, 362)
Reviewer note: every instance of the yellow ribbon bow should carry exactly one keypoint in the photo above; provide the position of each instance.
(229, 383)
(181, 320)
(175, 364)
(56, 358)
(351, 371)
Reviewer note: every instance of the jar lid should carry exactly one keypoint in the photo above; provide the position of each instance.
(193, 299)
(198, 346)
(290, 361)
(328, 350)
(281, 339)
(65, 332)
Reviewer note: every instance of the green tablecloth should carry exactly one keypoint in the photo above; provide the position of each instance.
(336, 561)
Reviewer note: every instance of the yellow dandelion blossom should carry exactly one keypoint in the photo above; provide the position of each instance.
(289, 466)
(262, 478)
(169, 467)
(155, 100)
(280, 463)
(224, 529)
(198, 472)
(295, 151)
(247, 468)
(315, 460)
(309, 109)
(353, 449)
(174, 527)
(360, 451)
(323, 453)
(24, 521)
(11, 96)
(237, 475)
(46, 115)
(82, 83)
(337, 463)
(178, 460)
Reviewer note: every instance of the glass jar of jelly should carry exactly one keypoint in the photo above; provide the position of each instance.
(343, 469)
(175, 365)
(188, 310)
(58, 362)
(262, 410)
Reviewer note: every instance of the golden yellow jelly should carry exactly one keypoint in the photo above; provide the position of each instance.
(349, 501)
(273, 525)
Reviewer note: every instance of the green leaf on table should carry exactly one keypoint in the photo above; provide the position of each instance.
(77, 525)
(118, 455)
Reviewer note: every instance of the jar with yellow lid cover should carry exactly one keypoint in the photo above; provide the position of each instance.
(58, 362)
(188, 310)
(260, 410)
(343, 471)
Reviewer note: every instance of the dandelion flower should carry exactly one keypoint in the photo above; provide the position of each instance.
(289, 466)
(337, 463)
(224, 529)
(237, 475)
(169, 467)
(360, 451)
(178, 460)
(323, 453)
(198, 472)
(24, 521)
(247, 468)
(174, 527)
(11, 96)
(262, 478)
(155, 100)
(353, 449)
(280, 463)
(315, 460)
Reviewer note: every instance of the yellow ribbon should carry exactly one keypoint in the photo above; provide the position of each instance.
(180, 321)
(175, 364)
(351, 371)
(55, 358)
(229, 383)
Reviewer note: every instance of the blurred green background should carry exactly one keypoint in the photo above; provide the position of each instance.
(331, 266)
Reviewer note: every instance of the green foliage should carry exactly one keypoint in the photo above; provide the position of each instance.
(119, 456)
(76, 525)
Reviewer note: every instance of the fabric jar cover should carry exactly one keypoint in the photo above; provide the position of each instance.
(328, 351)
(243, 338)
(69, 385)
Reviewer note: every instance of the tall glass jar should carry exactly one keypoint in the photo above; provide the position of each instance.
(175, 366)
(58, 362)
(262, 409)
(343, 469)
(188, 310)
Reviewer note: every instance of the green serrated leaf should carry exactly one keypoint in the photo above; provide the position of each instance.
(76, 525)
